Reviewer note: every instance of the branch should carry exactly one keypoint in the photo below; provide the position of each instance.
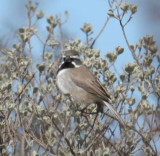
(133, 53)
(146, 142)
(24, 87)
(29, 42)
(94, 140)
(67, 141)
(100, 32)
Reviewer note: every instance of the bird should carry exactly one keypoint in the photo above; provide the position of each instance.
(75, 79)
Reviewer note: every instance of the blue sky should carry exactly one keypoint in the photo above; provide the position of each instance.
(13, 16)
(92, 11)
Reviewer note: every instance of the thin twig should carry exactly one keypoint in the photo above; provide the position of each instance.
(45, 44)
(94, 140)
(24, 87)
(29, 42)
(61, 35)
(100, 32)
(67, 141)
(128, 20)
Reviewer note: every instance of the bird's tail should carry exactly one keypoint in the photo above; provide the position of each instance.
(115, 113)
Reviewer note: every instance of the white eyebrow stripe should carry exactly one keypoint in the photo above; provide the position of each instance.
(75, 56)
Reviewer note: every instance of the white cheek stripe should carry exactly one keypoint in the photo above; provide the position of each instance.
(60, 65)
(76, 56)
(75, 65)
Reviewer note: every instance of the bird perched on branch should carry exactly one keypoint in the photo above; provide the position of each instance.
(75, 79)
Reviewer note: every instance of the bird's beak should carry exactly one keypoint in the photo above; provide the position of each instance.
(67, 59)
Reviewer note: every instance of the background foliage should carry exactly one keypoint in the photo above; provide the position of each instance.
(35, 118)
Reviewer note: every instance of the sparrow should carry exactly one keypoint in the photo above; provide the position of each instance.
(75, 79)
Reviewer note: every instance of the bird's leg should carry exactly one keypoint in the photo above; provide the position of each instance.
(100, 109)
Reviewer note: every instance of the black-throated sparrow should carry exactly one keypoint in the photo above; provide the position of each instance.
(75, 79)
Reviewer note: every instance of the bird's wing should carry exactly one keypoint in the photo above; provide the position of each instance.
(82, 77)
(85, 79)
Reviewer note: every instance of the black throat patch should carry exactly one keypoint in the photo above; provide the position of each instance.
(66, 65)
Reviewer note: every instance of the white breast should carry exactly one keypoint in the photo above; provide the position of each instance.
(61, 81)
(65, 84)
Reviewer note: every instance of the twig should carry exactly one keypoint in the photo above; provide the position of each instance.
(61, 35)
(37, 140)
(124, 34)
(67, 141)
(113, 145)
(100, 32)
(45, 44)
(93, 141)
(128, 20)
(133, 53)
(23, 145)
(24, 87)
(29, 42)
(146, 142)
